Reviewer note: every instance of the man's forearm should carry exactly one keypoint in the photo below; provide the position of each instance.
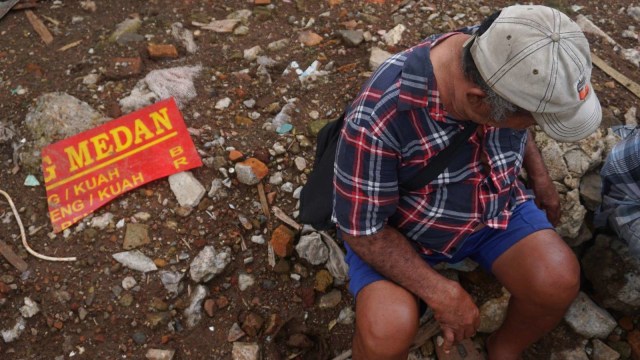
(533, 162)
(391, 254)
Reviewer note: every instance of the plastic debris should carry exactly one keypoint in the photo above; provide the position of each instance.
(31, 181)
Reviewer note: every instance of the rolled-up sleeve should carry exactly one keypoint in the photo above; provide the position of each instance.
(366, 181)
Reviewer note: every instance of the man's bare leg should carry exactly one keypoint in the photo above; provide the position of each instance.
(543, 276)
(387, 318)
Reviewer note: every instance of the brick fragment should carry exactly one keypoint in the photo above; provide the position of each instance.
(162, 51)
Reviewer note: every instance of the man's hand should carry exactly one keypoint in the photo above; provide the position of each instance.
(456, 312)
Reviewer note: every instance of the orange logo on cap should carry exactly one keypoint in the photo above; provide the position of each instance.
(582, 93)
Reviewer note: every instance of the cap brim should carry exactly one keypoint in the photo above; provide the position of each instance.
(575, 124)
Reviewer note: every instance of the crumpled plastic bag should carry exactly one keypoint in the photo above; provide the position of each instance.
(162, 84)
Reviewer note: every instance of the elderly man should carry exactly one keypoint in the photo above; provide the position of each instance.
(525, 65)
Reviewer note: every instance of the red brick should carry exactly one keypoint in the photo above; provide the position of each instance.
(162, 51)
(282, 241)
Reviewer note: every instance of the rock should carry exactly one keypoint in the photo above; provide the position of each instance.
(301, 163)
(126, 300)
(347, 316)
(394, 36)
(162, 51)
(159, 354)
(128, 26)
(139, 337)
(129, 283)
(82, 313)
(55, 116)
(630, 117)
(235, 333)
(309, 38)
(589, 320)
(631, 55)
(278, 45)
(614, 274)
(187, 189)
(136, 236)
(602, 352)
(312, 248)
(493, 313)
(185, 36)
(352, 37)
(574, 354)
(251, 171)
(330, 300)
(282, 241)
(222, 26)
(210, 307)
(245, 351)
(208, 263)
(172, 281)
(252, 54)
(193, 313)
(29, 309)
(102, 221)
(323, 280)
(135, 260)
(258, 239)
(14, 333)
(590, 190)
(572, 214)
(245, 281)
(223, 103)
(378, 56)
(252, 324)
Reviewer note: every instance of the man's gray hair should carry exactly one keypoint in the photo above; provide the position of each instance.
(500, 108)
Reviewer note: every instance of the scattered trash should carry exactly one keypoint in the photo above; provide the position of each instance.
(174, 82)
(31, 181)
(185, 36)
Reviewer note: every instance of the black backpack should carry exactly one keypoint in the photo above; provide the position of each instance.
(316, 197)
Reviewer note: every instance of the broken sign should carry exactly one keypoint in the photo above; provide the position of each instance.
(90, 169)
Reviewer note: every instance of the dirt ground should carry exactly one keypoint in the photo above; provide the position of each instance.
(111, 328)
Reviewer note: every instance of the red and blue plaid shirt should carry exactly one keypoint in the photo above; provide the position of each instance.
(393, 128)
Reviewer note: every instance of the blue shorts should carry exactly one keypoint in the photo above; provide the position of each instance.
(483, 246)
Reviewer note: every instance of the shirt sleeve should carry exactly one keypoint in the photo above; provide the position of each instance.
(365, 179)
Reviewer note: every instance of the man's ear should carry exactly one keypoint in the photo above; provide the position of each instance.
(476, 104)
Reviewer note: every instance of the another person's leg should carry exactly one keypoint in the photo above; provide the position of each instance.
(387, 315)
(539, 270)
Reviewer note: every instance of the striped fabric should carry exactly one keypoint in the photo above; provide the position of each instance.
(621, 181)
(393, 127)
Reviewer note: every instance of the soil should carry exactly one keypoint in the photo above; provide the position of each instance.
(61, 289)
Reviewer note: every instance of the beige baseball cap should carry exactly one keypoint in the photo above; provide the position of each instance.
(537, 58)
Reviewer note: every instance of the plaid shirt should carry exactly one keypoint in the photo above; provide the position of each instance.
(621, 181)
(393, 128)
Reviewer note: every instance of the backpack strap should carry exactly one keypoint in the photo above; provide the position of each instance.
(436, 166)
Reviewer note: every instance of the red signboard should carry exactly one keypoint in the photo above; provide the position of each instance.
(88, 170)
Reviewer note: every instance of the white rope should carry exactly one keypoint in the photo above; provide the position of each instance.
(24, 237)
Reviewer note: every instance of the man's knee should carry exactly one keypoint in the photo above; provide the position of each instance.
(386, 319)
(556, 279)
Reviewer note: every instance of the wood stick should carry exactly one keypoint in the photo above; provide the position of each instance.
(39, 27)
(12, 257)
(285, 218)
(616, 75)
(263, 200)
